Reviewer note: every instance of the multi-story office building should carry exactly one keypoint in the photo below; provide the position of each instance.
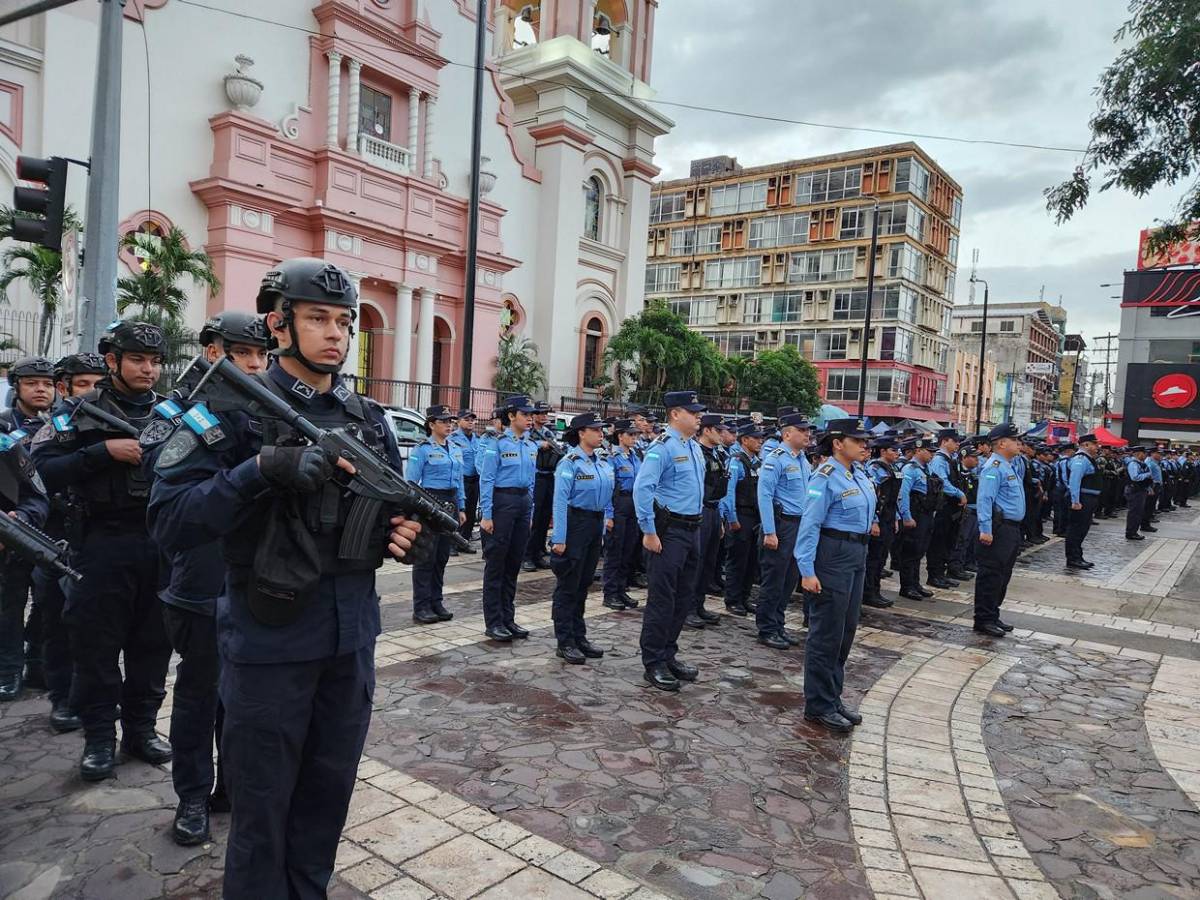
(965, 385)
(755, 258)
(1023, 340)
(1073, 377)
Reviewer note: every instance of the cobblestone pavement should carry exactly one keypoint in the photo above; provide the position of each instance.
(1060, 761)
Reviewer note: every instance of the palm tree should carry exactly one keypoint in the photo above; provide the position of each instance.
(154, 293)
(517, 368)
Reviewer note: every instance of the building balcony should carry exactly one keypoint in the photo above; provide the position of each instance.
(385, 154)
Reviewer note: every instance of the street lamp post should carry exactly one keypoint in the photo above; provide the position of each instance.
(468, 343)
(866, 335)
(982, 352)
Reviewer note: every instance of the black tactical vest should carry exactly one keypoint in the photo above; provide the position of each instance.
(745, 494)
(956, 474)
(1094, 480)
(887, 491)
(716, 476)
(118, 491)
(933, 492)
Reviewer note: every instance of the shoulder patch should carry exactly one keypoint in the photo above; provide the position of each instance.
(44, 434)
(155, 433)
(778, 451)
(178, 448)
(826, 469)
(995, 462)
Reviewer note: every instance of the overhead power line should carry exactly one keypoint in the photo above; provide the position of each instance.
(676, 104)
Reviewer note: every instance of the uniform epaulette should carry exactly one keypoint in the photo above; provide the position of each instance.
(995, 462)
(777, 451)
(826, 469)
(575, 456)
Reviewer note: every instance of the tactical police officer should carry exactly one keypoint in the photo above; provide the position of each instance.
(506, 480)
(831, 553)
(197, 578)
(944, 465)
(782, 482)
(465, 439)
(549, 452)
(741, 514)
(298, 618)
(668, 495)
(1084, 486)
(624, 542)
(583, 510)
(1135, 494)
(1001, 510)
(437, 465)
(965, 549)
(920, 499)
(114, 611)
(882, 472)
(1061, 495)
(712, 528)
(32, 382)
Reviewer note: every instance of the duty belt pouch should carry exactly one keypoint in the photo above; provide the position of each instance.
(287, 566)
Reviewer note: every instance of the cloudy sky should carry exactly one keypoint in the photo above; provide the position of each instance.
(1014, 70)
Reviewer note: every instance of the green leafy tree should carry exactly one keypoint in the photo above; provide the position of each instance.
(39, 268)
(656, 351)
(1146, 131)
(155, 294)
(517, 368)
(777, 378)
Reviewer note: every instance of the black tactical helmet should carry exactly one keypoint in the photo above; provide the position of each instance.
(307, 280)
(80, 364)
(133, 337)
(31, 367)
(236, 327)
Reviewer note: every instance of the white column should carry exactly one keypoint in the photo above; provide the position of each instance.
(622, 41)
(424, 370)
(430, 108)
(414, 118)
(352, 123)
(402, 344)
(502, 38)
(335, 99)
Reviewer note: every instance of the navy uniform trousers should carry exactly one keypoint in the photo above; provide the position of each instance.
(471, 497)
(1062, 507)
(914, 544)
(878, 550)
(841, 567)
(1135, 512)
(942, 537)
(196, 712)
(543, 512)
(56, 640)
(779, 576)
(968, 540)
(14, 597)
(710, 547)
(1079, 523)
(672, 578)
(741, 564)
(114, 613)
(996, 561)
(621, 546)
(503, 551)
(574, 571)
(293, 736)
(430, 577)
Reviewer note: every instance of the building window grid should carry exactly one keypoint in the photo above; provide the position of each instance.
(912, 177)
(731, 273)
(663, 277)
(821, 265)
(829, 184)
(778, 231)
(696, 310)
(732, 343)
(773, 308)
(748, 196)
(699, 240)
(666, 208)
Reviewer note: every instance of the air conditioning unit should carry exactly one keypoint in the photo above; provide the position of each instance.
(762, 337)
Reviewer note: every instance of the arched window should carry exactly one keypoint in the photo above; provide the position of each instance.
(593, 190)
(593, 334)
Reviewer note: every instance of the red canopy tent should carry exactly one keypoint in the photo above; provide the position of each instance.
(1108, 439)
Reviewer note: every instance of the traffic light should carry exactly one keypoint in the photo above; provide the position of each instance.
(46, 204)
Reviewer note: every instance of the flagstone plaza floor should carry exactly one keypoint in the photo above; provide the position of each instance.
(1061, 761)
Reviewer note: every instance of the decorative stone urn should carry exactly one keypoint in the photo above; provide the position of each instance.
(487, 178)
(242, 90)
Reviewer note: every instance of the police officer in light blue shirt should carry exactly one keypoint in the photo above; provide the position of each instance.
(1084, 485)
(831, 553)
(667, 495)
(919, 500)
(583, 497)
(1140, 480)
(740, 511)
(782, 488)
(1000, 507)
(506, 473)
(436, 465)
(1154, 501)
(464, 438)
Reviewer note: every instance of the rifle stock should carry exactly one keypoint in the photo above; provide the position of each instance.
(35, 547)
(92, 411)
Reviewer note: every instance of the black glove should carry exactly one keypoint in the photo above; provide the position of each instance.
(423, 549)
(301, 469)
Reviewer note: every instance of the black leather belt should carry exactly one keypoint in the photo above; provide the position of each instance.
(470, 478)
(787, 517)
(845, 535)
(624, 493)
(586, 513)
(1000, 520)
(442, 492)
(670, 518)
(508, 490)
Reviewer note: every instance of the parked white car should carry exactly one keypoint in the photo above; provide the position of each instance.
(408, 426)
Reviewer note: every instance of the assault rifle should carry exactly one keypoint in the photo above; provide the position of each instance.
(89, 410)
(376, 485)
(32, 546)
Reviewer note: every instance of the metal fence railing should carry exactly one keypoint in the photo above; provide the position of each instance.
(419, 394)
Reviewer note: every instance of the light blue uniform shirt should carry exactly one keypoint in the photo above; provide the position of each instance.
(839, 498)
(672, 474)
(1000, 490)
(509, 462)
(737, 471)
(625, 464)
(940, 466)
(1138, 471)
(581, 481)
(1081, 465)
(437, 466)
(914, 478)
(1061, 470)
(1155, 470)
(770, 445)
(782, 479)
(469, 445)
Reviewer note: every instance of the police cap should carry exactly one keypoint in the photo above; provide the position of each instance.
(711, 420)
(439, 413)
(306, 279)
(585, 420)
(688, 400)
(750, 430)
(847, 428)
(795, 419)
(625, 426)
(1088, 439)
(465, 414)
(1005, 430)
(949, 434)
(517, 403)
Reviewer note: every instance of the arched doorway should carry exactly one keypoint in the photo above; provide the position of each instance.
(443, 358)
(592, 356)
(370, 329)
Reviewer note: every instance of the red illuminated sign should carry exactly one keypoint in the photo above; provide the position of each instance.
(1174, 391)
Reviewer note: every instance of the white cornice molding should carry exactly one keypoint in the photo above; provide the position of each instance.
(21, 56)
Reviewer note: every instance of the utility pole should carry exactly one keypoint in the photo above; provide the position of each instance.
(866, 333)
(468, 350)
(1108, 339)
(982, 353)
(100, 254)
